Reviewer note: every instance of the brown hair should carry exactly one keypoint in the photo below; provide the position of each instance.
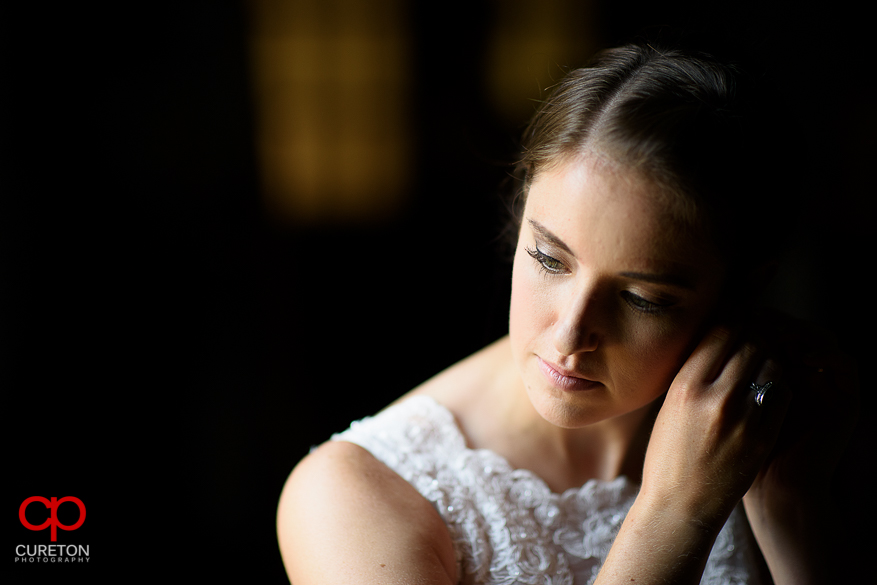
(685, 120)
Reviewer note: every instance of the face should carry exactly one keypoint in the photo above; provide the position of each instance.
(608, 293)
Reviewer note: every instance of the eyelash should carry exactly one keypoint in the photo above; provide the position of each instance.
(553, 266)
(642, 305)
(544, 261)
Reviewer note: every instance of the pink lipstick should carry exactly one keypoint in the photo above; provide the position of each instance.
(564, 380)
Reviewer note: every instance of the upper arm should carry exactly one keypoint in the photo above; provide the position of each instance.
(344, 517)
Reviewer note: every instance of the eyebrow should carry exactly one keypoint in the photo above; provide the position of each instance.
(549, 237)
(668, 278)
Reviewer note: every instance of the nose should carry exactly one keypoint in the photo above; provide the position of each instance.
(577, 328)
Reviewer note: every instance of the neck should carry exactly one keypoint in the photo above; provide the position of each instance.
(570, 457)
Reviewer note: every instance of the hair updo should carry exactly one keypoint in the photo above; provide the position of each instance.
(684, 120)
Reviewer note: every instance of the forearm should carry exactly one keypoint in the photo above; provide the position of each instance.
(802, 543)
(657, 544)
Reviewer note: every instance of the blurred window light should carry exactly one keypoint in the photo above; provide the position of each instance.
(531, 45)
(331, 83)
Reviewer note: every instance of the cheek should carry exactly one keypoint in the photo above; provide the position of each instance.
(640, 361)
(528, 313)
(520, 299)
(654, 354)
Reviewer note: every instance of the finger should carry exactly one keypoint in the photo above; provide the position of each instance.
(767, 389)
(742, 367)
(767, 401)
(710, 356)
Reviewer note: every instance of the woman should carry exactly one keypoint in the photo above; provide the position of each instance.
(637, 399)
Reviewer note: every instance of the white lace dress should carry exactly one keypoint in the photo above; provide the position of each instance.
(508, 527)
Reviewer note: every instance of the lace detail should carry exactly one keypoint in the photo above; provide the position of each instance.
(507, 526)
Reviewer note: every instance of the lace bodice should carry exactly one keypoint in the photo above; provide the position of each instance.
(508, 527)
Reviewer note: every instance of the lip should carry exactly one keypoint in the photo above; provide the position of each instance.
(564, 379)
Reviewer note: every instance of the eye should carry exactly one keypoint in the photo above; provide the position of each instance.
(546, 263)
(643, 305)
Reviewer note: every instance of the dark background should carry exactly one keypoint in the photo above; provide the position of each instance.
(161, 359)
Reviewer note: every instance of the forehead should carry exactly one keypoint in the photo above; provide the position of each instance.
(601, 209)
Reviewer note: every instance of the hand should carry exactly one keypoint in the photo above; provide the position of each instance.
(789, 505)
(708, 443)
(710, 439)
(824, 385)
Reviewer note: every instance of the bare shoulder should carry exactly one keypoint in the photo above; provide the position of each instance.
(345, 517)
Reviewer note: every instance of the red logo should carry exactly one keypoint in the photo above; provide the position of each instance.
(52, 521)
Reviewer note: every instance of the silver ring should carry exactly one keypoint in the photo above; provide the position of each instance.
(760, 391)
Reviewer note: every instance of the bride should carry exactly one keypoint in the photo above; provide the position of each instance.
(641, 422)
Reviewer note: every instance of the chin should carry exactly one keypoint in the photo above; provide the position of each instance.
(565, 412)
